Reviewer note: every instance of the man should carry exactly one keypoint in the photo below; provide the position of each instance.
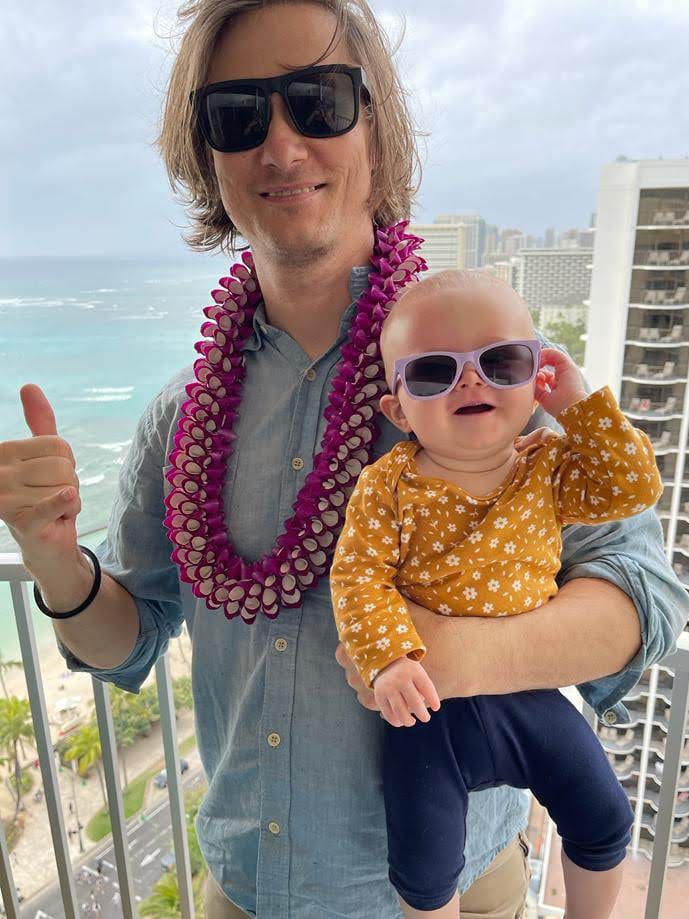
(293, 826)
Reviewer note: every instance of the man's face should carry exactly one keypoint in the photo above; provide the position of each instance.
(293, 230)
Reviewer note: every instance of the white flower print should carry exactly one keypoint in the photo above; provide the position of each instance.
(516, 585)
(443, 499)
(444, 609)
(531, 528)
(369, 607)
(630, 449)
(382, 629)
(530, 496)
(355, 627)
(341, 603)
(605, 423)
(540, 503)
(469, 593)
(542, 532)
(476, 537)
(374, 524)
(438, 547)
(387, 540)
(493, 585)
(371, 552)
(368, 491)
(488, 607)
(407, 646)
(527, 601)
(501, 523)
(370, 572)
(494, 542)
(453, 560)
(510, 548)
(452, 527)
(424, 511)
(526, 514)
(425, 575)
(382, 644)
(632, 476)
(476, 575)
(616, 490)
(401, 628)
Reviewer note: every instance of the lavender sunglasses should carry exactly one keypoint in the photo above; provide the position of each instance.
(503, 365)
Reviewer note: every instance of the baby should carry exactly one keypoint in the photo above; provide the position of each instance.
(465, 519)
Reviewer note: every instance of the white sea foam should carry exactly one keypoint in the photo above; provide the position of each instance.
(109, 388)
(102, 290)
(110, 398)
(92, 480)
(116, 447)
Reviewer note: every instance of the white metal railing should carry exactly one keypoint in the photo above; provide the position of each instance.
(12, 571)
(678, 663)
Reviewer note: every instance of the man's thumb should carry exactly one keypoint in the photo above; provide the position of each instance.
(38, 412)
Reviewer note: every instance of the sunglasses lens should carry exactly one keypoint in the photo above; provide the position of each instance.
(430, 375)
(508, 365)
(235, 120)
(323, 104)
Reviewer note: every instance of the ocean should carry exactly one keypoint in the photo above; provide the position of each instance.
(100, 336)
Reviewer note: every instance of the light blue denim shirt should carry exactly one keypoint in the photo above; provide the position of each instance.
(295, 828)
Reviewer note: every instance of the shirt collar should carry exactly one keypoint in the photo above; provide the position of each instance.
(358, 281)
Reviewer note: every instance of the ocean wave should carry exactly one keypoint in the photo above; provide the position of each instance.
(92, 480)
(102, 290)
(160, 315)
(111, 398)
(109, 388)
(116, 447)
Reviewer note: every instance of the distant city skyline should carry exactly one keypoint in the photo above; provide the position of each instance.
(519, 129)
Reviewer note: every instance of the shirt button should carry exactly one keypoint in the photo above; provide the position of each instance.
(610, 717)
(280, 644)
(297, 463)
(310, 375)
(274, 827)
(274, 739)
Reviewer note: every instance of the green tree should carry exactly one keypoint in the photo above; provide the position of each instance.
(563, 332)
(15, 725)
(84, 747)
(181, 688)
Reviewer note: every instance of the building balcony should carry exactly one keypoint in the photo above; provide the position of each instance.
(668, 295)
(654, 372)
(661, 258)
(67, 877)
(665, 218)
(638, 407)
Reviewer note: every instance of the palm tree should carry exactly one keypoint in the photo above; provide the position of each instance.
(84, 747)
(165, 902)
(15, 724)
(7, 665)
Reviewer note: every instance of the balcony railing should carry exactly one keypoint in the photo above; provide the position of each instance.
(13, 572)
(675, 747)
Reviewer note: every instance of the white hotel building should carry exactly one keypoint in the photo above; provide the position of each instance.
(638, 344)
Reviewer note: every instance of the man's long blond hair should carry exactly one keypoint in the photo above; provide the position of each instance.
(395, 163)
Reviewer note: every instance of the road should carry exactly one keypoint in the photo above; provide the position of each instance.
(150, 838)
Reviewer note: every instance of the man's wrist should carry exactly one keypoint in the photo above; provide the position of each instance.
(66, 588)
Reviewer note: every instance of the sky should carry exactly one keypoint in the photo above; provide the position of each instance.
(523, 102)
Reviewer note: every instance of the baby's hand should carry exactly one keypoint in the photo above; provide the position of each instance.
(558, 382)
(400, 690)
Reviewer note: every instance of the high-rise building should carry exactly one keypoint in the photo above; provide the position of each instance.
(638, 344)
(549, 238)
(554, 277)
(474, 238)
(444, 245)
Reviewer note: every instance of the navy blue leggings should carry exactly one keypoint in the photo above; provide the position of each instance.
(535, 740)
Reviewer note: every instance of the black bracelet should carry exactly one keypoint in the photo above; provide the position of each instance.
(94, 590)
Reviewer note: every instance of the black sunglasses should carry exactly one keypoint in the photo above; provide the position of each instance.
(322, 102)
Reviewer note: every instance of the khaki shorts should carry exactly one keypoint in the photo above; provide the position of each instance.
(499, 893)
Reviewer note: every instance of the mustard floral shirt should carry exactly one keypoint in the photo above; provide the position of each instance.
(409, 535)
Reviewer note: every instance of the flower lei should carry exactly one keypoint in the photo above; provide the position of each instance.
(204, 437)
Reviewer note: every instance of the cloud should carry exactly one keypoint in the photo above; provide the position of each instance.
(525, 101)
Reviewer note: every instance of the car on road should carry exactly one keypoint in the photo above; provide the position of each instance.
(160, 780)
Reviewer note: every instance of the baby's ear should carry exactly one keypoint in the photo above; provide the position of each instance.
(390, 407)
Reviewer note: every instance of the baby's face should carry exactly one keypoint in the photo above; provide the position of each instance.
(450, 319)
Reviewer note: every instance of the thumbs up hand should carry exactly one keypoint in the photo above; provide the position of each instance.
(39, 487)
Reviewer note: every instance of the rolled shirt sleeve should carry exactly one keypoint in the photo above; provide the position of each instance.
(629, 554)
(136, 553)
